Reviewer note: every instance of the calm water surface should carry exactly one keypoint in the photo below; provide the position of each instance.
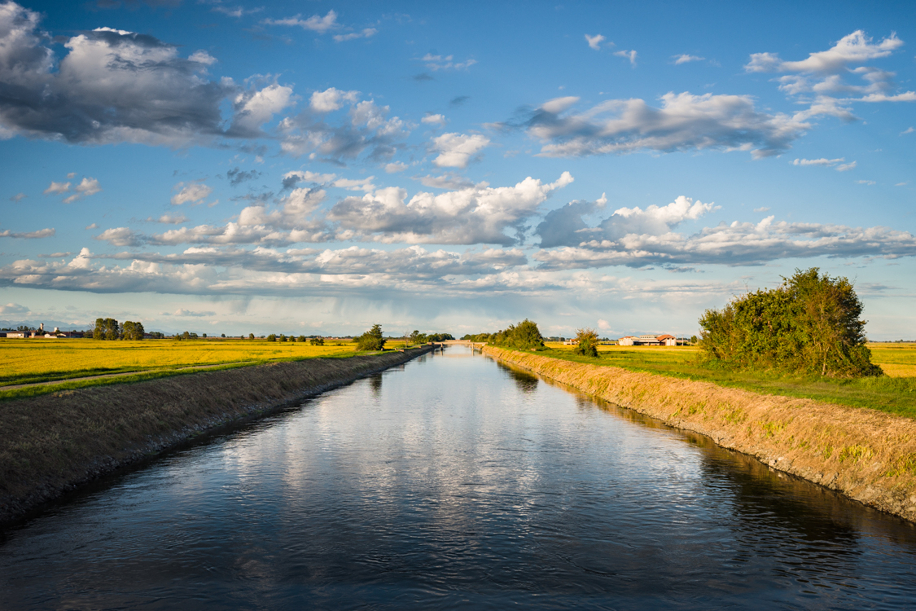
(454, 482)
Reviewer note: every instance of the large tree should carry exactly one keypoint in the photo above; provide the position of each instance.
(811, 323)
(371, 339)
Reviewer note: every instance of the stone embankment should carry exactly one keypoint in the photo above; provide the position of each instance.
(54, 443)
(867, 455)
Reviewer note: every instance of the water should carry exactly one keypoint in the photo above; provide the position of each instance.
(454, 482)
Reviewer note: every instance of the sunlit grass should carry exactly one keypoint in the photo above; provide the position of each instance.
(25, 361)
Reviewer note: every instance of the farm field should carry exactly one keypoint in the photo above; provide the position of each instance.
(42, 360)
(895, 393)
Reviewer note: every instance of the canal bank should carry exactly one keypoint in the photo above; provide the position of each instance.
(867, 455)
(53, 444)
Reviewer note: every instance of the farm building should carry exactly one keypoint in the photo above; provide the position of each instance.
(648, 340)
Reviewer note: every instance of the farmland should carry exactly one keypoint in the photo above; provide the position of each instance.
(40, 360)
(895, 393)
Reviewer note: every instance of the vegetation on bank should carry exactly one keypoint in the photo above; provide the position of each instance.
(523, 336)
(811, 323)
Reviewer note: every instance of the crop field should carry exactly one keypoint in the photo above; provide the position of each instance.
(30, 361)
(895, 393)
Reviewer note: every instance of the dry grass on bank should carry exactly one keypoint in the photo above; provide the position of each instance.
(895, 393)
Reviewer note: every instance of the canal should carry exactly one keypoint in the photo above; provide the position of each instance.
(456, 482)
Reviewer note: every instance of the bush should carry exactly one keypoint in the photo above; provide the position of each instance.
(271, 338)
(586, 342)
(317, 341)
(524, 336)
(371, 339)
(809, 324)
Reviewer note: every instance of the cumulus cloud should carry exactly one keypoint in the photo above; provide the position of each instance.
(595, 41)
(254, 107)
(28, 235)
(369, 129)
(475, 215)
(14, 309)
(315, 23)
(829, 163)
(433, 120)
(395, 167)
(566, 227)
(56, 188)
(823, 79)
(457, 150)
(193, 192)
(111, 86)
(331, 99)
(684, 58)
(167, 219)
(445, 181)
(683, 122)
(733, 244)
(87, 187)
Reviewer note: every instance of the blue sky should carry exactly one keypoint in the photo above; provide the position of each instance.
(317, 167)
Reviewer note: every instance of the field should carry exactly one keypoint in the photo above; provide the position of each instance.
(31, 361)
(895, 393)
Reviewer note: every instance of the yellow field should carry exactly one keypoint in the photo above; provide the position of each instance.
(897, 360)
(25, 361)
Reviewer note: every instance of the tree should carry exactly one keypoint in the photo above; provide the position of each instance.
(301, 338)
(271, 338)
(586, 342)
(524, 336)
(371, 339)
(317, 341)
(282, 338)
(106, 328)
(132, 330)
(811, 323)
(251, 336)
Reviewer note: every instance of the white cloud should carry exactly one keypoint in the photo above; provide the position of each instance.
(684, 122)
(395, 167)
(865, 182)
(167, 219)
(92, 226)
(630, 55)
(111, 86)
(684, 58)
(433, 120)
(851, 49)
(445, 181)
(909, 130)
(57, 188)
(457, 150)
(565, 226)
(28, 235)
(190, 192)
(202, 57)
(603, 324)
(87, 187)
(365, 33)
(119, 236)
(191, 313)
(762, 209)
(595, 41)
(315, 23)
(901, 184)
(253, 108)
(821, 161)
(846, 167)
(355, 184)
(475, 215)
(14, 309)
(446, 62)
(331, 99)
(18, 197)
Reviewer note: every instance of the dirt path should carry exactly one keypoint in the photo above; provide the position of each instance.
(120, 375)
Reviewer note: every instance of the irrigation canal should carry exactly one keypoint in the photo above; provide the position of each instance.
(454, 482)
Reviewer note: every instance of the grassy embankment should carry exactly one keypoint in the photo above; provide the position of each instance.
(34, 361)
(866, 454)
(894, 394)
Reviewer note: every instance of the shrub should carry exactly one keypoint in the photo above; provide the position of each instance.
(809, 324)
(371, 339)
(272, 337)
(317, 341)
(524, 336)
(586, 342)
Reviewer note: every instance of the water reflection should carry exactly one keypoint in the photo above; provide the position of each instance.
(456, 483)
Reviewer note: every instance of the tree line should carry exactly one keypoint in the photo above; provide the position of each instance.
(110, 329)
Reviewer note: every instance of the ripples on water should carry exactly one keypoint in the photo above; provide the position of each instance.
(455, 482)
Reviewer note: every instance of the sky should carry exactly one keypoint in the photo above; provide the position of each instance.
(318, 167)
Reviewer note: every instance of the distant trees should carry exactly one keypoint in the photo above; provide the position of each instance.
(811, 324)
(251, 336)
(523, 336)
(316, 341)
(271, 338)
(371, 339)
(301, 338)
(132, 330)
(586, 342)
(110, 329)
